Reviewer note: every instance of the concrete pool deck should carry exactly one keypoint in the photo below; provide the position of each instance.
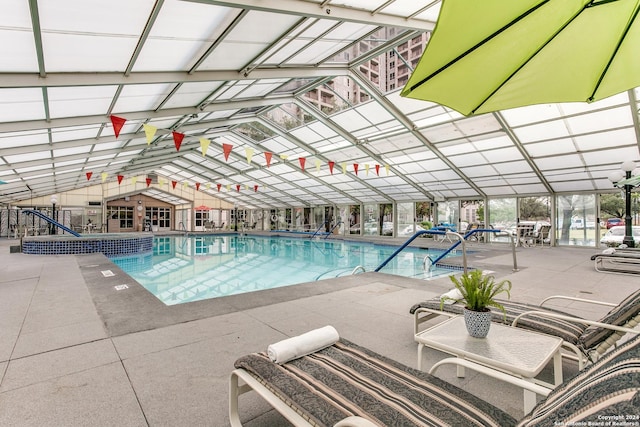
(74, 351)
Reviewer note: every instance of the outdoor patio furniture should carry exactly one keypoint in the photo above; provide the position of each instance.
(585, 339)
(345, 380)
(619, 261)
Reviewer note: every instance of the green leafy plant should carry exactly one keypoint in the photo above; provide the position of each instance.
(479, 290)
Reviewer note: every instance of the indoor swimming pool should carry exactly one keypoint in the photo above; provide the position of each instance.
(191, 268)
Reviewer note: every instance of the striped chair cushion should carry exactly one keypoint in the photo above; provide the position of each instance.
(568, 331)
(619, 315)
(604, 393)
(346, 379)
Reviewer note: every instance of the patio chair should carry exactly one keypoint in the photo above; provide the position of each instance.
(626, 261)
(585, 339)
(543, 235)
(348, 385)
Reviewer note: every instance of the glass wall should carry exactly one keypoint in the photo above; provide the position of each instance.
(355, 221)
(576, 220)
(371, 226)
(448, 213)
(318, 218)
(406, 216)
(503, 215)
(385, 219)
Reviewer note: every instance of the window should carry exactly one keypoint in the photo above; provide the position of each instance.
(124, 214)
(392, 64)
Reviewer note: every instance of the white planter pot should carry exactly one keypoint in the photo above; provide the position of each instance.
(477, 322)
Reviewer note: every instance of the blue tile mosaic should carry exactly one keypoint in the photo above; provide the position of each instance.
(110, 245)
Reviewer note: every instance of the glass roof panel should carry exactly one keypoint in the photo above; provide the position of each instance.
(17, 50)
(141, 97)
(190, 94)
(546, 130)
(21, 104)
(21, 139)
(607, 119)
(80, 100)
(180, 35)
(98, 38)
(602, 140)
(247, 40)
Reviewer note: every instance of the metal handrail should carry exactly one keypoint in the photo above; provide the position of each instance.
(318, 230)
(183, 226)
(461, 241)
(333, 228)
(358, 267)
(51, 221)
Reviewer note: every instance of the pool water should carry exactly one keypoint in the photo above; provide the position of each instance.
(192, 268)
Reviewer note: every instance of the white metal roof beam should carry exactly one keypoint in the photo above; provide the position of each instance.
(305, 147)
(516, 142)
(347, 136)
(26, 80)
(410, 126)
(30, 125)
(143, 165)
(334, 12)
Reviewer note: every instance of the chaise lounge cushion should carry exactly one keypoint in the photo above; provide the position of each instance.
(567, 330)
(618, 316)
(606, 393)
(346, 379)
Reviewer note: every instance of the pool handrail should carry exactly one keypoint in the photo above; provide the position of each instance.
(332, 228)
(460, 241)
(318, 230)
(50, 221)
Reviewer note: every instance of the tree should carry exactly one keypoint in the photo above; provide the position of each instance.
(612, 205)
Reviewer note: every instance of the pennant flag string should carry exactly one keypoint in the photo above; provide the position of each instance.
(177, 139)
(149, 132)
(89, 175)
(267, 156)
(226, 149)
(117, 123)
(204, 146)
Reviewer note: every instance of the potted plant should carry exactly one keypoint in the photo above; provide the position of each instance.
(478, 291)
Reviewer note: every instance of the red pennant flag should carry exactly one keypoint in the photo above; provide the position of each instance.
(378, 170)
(226, 149)
(148, 182)
(355, 168)
(117, 123)
(255, 188)
(302, 161)
(331, 164)
(197, 186)
(238, 187)
(218, 185)
(173, 184)
(267, 156)
(89, 175)
(120, 178)
(177, 139)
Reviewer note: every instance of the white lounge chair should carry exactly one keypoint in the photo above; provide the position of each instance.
(348, 385)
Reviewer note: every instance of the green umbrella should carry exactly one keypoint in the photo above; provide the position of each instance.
(492, 55)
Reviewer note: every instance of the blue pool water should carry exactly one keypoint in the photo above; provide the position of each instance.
(191, 268)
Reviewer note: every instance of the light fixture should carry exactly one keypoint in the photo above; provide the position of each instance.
(52, 227)
(619, 179)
